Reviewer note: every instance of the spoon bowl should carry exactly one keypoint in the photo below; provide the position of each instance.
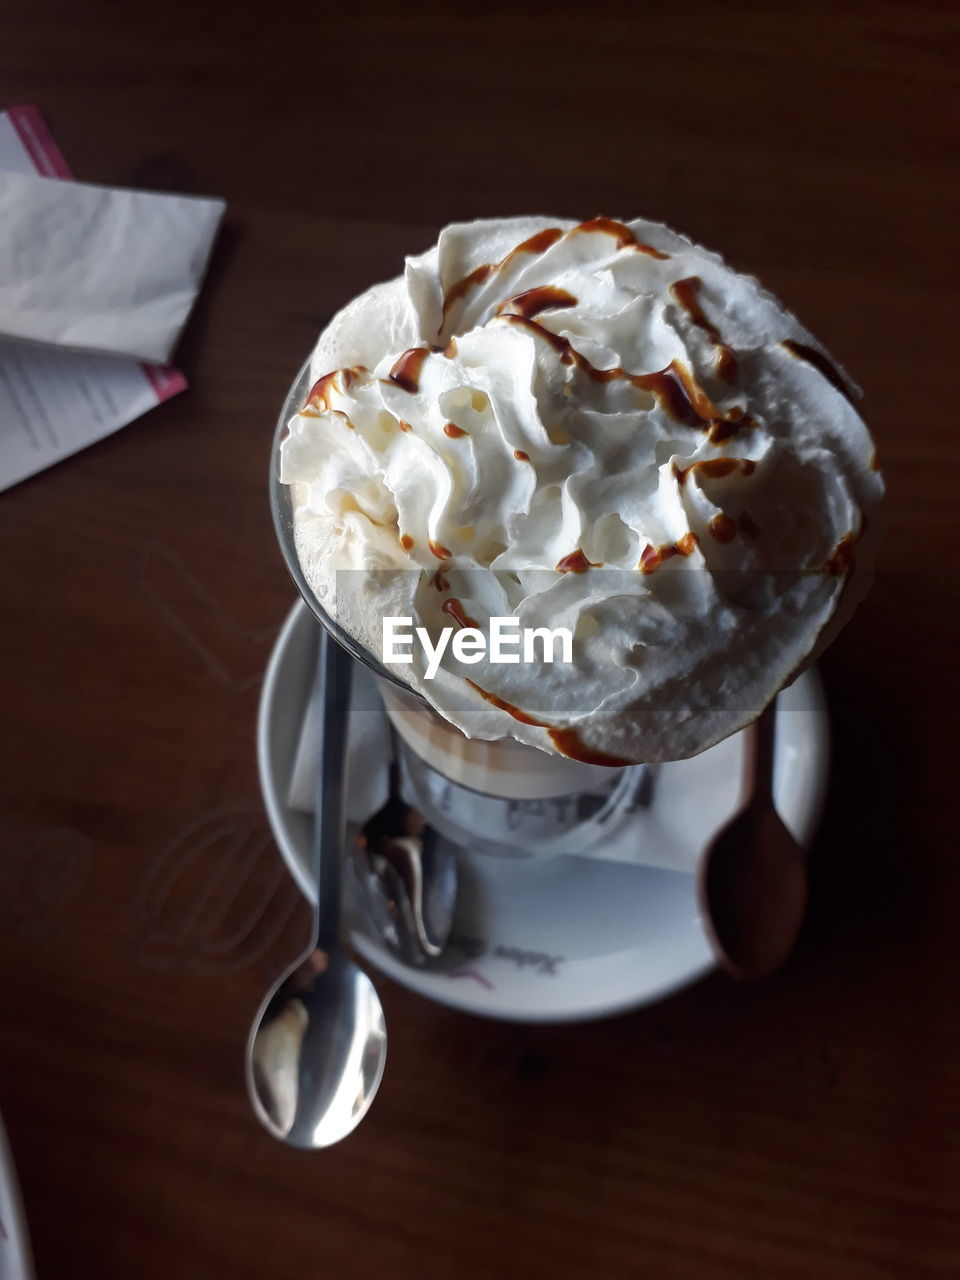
(754, 885)
(317, 1051)
(753, 876)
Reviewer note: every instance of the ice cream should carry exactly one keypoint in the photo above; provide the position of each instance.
(595, 425)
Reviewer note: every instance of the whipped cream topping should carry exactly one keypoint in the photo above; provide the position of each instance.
(594, 425)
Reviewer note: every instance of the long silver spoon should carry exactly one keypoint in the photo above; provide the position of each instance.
(753, 876)
(317, 1048)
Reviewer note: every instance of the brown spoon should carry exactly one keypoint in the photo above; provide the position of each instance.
(753, 876)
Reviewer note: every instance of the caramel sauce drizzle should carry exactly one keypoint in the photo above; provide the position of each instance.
(843, 558)
(667, 386)
(687, 543)
(714, 468)
(721, 430)
(568, 744)
(539, 243)
(406, 372)
(319, 395)
(453, 431)
(404, 426)
(508, 707)
(820, 362)
(462, 287)
(701, 402)
(456, 610)
(440, 582)
(575, 562)
(320, 391)
(535, 244)
(439, 550)
(407, 542)
(675, 389)
(561, 345)
(722, 527)
(565, 740)
(686, 293)
(521, 455)
(726, 366)
(651, 558)
(534, 301)
(621, 233)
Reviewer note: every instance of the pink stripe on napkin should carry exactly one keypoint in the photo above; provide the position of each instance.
(36, 137)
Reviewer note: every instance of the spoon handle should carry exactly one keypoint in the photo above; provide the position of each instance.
(333, 691)
(759, 753)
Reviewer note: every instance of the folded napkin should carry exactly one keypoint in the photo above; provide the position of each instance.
(99, 269)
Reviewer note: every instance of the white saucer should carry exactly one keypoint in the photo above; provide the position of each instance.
(565, 938)
(15, 1261)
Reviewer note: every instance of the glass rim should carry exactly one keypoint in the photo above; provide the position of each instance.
(281, 508)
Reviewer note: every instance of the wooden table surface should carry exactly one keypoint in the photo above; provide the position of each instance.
(803, 1127)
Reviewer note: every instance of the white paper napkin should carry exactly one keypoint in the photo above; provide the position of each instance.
(15, 1259)
(368, 752)
(100, 269)
(54, 402)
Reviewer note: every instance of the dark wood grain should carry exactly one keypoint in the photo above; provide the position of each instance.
(804, 1127)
